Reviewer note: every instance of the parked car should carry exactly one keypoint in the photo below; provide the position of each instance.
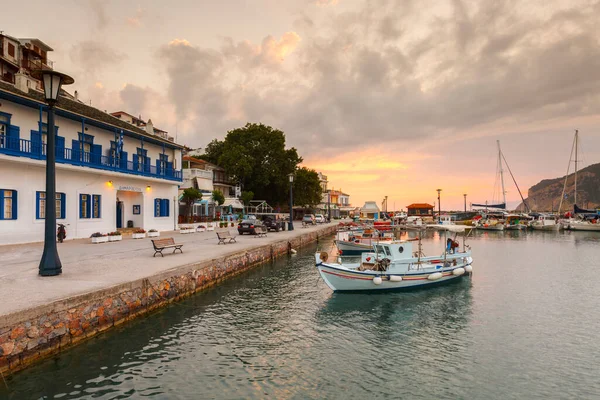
(274, 223)
(320, 219)
(248, 226)
(309, 219)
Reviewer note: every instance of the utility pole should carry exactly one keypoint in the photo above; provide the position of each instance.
(439, 205)
(465, 196)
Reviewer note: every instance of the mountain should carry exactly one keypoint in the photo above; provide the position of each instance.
(545, 196)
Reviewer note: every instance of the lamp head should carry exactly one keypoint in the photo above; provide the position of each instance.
(291, 177)
(52, 81)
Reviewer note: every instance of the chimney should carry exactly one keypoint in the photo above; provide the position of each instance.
(76, 94)
(150, 127)
(22, 82)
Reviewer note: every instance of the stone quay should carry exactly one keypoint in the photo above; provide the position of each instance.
(104, 285)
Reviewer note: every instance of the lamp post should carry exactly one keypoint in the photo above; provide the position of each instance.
(465, 196)
(50, 264)
(291, 222)
(328, 206)
(439, 205)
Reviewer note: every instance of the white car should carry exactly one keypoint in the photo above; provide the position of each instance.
(319, 218)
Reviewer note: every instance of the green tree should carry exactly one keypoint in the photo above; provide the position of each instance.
(255, 157)
(218, 197)
(247, 197)
(189, 197)
(307, 187)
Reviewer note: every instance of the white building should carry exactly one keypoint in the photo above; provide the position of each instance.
(100, 185)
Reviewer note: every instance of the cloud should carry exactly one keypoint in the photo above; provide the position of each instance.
(98, 8)
(135, 21)
(93, 56)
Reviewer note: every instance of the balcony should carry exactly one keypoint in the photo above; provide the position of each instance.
(36, 151)
(197, 173)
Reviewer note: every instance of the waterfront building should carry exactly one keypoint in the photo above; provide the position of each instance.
(109, 173)
(370, 211)
(420, 209)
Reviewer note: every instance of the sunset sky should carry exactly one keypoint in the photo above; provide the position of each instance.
(386, 97)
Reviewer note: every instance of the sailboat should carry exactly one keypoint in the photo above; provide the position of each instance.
(499, 223)
(581, 220)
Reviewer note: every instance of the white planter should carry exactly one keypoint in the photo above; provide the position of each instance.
(153, 234)
(101, 239)
(200, 229)
(115, 238)
(187, 230)
(138, 235)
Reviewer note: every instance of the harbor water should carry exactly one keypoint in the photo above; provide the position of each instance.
(525, 325)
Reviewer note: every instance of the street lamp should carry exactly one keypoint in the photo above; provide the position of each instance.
(465, 196)
(328, 206)
(439, 205)
(50, 264)
(291, 222)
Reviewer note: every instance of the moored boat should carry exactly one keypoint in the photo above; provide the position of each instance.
(394, 266)
(545, 222)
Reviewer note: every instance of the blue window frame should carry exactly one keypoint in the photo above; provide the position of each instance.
(8, 204)
(161, 207)
(96, 206)
(4, 125)
(40, 205)
(84, 206)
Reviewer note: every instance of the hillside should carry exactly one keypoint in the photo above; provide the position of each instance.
(545, 196)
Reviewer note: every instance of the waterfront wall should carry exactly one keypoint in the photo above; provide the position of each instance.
(29, 335)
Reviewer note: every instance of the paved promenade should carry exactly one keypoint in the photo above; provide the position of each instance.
(88, 267)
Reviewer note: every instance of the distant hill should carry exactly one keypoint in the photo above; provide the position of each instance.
(545, 196)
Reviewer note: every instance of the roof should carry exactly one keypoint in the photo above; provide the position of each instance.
(81, 109)
(370, 206)
(38, 42)
(420, 205)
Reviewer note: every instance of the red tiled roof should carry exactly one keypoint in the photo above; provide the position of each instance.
(420, 205)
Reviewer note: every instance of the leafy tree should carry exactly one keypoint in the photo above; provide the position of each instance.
(307, 188)
(247, 197)
(255, 157)
(218, 197)
(189, 197)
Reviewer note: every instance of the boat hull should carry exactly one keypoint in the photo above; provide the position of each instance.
(497, 227)
(517, 227)
(584, 227)
(555, 227)
(352, 249)
(344, 280)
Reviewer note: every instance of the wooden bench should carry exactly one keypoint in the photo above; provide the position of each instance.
(166, 243)
(260, 231)
(225, 235)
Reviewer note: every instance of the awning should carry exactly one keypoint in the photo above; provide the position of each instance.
(234, 203)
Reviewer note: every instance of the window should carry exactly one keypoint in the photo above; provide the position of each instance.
(11, 50)
(84, 206)
(8, 204)
(96, 210)
(161, 207)
(4, 123)
(44, 132)
(40, 208)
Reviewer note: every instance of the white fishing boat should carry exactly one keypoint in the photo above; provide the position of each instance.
(351, 243)
(545, 222)
(395, 266)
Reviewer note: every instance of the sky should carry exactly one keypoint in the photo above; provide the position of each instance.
(389, 98)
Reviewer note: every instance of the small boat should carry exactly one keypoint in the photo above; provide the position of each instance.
(352, 243)
(545, 222)
(394, 266)
(516, 222)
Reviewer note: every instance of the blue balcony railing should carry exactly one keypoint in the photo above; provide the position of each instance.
(37, 151)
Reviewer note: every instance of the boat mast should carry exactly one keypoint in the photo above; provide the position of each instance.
(515, 181)
(501, 173)
(562, 196)
(576, 145)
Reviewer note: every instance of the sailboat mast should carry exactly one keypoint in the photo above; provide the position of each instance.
(501, 173)
(576, 145)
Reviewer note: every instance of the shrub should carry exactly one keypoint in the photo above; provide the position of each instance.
(97, 234)
(114, 234)
(153, 230)
(139, 230)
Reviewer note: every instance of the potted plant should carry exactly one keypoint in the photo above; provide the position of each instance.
(115, 236)
(153, 233)
(201, 228)
(183, 229)
(232, 224)
(99, 238)
(139, 233)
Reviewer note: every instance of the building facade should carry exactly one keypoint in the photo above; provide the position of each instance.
(109, 173)
(419, 209)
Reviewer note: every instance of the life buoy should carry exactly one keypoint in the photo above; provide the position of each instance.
(323, 256)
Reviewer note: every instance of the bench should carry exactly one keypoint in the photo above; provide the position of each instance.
(225, 235)
(260, 231)
(166, 243)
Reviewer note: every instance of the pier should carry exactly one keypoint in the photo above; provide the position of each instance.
(104, 285)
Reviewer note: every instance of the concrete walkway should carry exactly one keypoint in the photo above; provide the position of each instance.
(88, 267)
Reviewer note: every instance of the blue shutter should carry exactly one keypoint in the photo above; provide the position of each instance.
(36, 143)
(157, 207)
(147, 164)
(60, 147)
(167, 208)
(158, 171)
(136, 162)
(164, 207)
(96, 153)
(13, 137)
(37, 205)
(63, 200)
(81, 197)
(15, 202)
(169, 171)
(124, 160)
(75, 151)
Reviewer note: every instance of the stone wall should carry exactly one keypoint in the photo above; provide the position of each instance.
(29, 335)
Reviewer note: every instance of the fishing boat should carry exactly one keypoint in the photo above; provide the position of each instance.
(514, 222)
(352, 243)
(395, 265)
(545, 222)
